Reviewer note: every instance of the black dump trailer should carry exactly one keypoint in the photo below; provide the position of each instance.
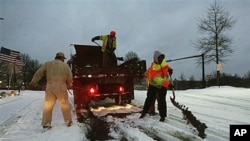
(93, 82)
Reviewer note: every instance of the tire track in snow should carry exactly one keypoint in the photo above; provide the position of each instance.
(14, 118)
(162, 131)
(133, 128)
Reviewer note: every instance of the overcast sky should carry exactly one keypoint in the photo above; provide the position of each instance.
(41, 28)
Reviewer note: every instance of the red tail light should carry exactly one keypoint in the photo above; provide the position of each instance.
(121, 89)
(92, 90)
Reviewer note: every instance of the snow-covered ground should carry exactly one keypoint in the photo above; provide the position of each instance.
(218, 108)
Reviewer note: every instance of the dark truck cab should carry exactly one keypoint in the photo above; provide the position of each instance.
(93, 82)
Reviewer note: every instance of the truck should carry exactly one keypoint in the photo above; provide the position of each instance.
(92, 82)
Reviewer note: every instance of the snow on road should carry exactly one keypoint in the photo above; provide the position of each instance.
(21, 120)
(218, 108)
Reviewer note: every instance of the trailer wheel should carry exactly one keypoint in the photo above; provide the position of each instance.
(129, 101)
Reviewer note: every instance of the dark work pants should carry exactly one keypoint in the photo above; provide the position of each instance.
(109, 60)
(162, 104)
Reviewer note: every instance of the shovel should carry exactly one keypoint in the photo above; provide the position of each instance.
(172, 99)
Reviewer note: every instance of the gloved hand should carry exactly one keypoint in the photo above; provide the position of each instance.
(70, 86)
(92, 39)
(170, 71)
(32, 86)
(171, 86)
(110, 51)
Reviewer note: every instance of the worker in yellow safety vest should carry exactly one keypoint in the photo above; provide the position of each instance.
(158, 83)
(108, 48)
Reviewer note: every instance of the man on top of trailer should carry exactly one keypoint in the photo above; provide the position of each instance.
(108, 48)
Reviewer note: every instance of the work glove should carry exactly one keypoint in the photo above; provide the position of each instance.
(70, 86)
(171, 86)
(110, 51)
(170, 71)
(32, 86)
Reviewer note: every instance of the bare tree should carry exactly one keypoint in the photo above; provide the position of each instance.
(29, 69)
(131, 55)
(182, 77)
(215, 44)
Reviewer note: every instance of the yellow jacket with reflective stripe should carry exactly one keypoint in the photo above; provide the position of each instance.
(107, 42)
(158, 74)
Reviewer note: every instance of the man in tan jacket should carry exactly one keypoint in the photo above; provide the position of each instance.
(59, 79)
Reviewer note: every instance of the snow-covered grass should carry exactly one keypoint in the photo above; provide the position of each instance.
(20, 117)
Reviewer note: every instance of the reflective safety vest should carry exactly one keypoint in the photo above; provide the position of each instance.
(108, 43)
(158, 74)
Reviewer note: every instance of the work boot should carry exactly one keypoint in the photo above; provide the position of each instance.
(142, 115)
(152, 113)
(162, 119)
(69, 123)
(47, 127)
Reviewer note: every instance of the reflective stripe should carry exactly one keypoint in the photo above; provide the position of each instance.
(104, 39)
(157, 70)
(158, 74)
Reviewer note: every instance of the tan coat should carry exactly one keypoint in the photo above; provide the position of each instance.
(59, 78)
(55, 71)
